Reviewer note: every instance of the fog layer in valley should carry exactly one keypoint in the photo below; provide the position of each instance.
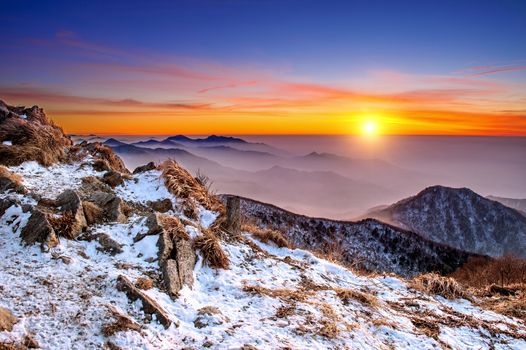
(339, 177)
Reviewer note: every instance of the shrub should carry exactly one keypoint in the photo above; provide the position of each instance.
(213, 254)
(266, 235)
(433, 283)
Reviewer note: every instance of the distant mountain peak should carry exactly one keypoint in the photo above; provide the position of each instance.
(209, 139)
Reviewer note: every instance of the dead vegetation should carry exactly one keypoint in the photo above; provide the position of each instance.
(121, 323)
(63, 225)
(346, 295)
(104, 157)
(266, 235)
(173, 227)
(15, 179)
(210, 248)
(433, 283)
(184, 186)
(144, 283)
(32, 138)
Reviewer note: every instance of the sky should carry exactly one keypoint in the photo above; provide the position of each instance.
(269, 67)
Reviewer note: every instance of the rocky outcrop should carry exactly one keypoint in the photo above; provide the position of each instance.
(111, 205)
(161, 205)
(28, 134)
(144, 168)
(39, 230)
(104, 157)
(149, 305)
(7, 320)
(113, 178)
(69, 202)
(177, 259)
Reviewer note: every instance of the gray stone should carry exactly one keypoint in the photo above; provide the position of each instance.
(38, 229)
(143, 168)
(110, 204)
(69, 201)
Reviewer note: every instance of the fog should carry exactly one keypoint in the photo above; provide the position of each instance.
(339, 176)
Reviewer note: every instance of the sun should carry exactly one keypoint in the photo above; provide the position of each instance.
(369, 127)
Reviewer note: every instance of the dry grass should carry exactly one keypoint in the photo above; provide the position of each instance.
(144, 283)
(11, 345)
(266, 235)
(92, 212)
(183, 185)
(213, 254)
(31, 140)
(63, 224)
(285, 294)
(173, 226)
(433, 283)
(346, 295)
(509, 306)
(15, 178)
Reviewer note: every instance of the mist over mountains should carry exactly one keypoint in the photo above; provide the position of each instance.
(335, 177)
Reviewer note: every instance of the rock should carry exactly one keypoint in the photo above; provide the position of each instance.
(232, 223)
(7, 320)
(149, 305)
(6, 203)
(111, 205)
(10, 181)
(113, 178)
(177, 261)
(208, 316)
(38, 229)
(69, 201)
(108, 245)
(161, 205)
(101, 165)
(143, 168)
(93, 213)
(152, 223)
(65, 259)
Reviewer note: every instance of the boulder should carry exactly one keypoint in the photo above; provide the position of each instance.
(144, 168)
(152, 223)
(101, 165)
(208, 316)
(161, 205)
(177, 260)
(111, 205)
(113, 178)
(38, 229)
(69, 201)
(6, 203)
(10, 181)
(149, 305)
(232, 223)
(108, 245)
(7, 320)
(93, 213)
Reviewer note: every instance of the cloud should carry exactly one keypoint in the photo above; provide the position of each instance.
(491, 69)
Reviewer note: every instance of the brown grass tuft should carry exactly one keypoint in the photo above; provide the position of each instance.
(173, 226)
(346, 295)
(121, 323)
(63, 224)
(144, 283)
(183, 185)
(433, 283)
(266, 235)
(15, 178)
(32, 139)
(213, 254)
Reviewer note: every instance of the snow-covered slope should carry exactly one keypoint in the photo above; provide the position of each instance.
(462, 219)
(268, 298)
(366, 244)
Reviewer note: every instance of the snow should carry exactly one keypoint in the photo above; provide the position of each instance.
(49, 182)
(144, 187)
(66, 305)
(23, 116)
(7, 143)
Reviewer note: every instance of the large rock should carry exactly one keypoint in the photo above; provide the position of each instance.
(6, 203)
(144, 168)
(161, 205)
(10, 181)
(7, 320)
(149, 305)
(153, 226)
(111, 205)
(69, 201)
(232, 223)
(38, 229)
(113, 178)
(177, 260)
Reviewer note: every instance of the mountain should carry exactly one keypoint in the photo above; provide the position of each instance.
(367, 244)
(462, 219)
(209, 139)
(96, 257)
(162, 144)
(517, 204)
(114, 142)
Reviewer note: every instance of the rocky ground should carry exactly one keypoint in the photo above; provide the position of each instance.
(94, 256)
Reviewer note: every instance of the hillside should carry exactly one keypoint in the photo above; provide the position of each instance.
(517, 204)
(462, 219)
(366, 244)
(95, 256)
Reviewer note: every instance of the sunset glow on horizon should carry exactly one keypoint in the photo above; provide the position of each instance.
(291, 77)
